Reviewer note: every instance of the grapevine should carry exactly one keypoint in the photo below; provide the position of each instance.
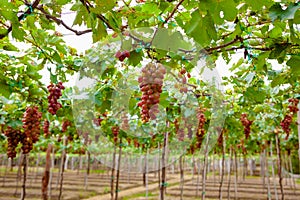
(246, 123)
(151, 82)
(14, 136)
(288, 118)
(31, 125)
(200, 131)
(55, 94)
(115, 130)
(65, 125)
(46, 128)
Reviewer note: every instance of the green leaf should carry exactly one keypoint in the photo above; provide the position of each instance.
(99, 32)
(255, 94)
(276, 11)
(229, 9)
(258, 4)
(62, 2)
(18, 33)
(164, 39)
(275, 32)
(135, 58)
(9, 15)
(102, 6)
(56, 57)
(4, 89)
(293, 62)
(236, 65)
(297, 17)
(279, 80)
(195, 29)
(10, 47)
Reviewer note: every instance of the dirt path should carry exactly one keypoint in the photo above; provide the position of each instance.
(137, 190)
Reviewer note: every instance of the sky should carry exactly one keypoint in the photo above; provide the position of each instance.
(84, 42)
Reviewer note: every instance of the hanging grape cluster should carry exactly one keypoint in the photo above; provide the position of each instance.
(151, 82)
(46, 128)
(65, 125)
(115, 131)
(125, 122)
(288, 118)
(246, 123)
(54, 95)
(14, 136)
(200, 131)
(31, 125)
(293, 107)
(183, 76)
(97, 121)
(179, 130)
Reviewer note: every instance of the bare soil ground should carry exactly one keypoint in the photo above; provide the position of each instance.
(131, 187)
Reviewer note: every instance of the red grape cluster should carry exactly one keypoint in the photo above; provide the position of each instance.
(65, 125)
(184, 75)
(136, 143)
(125, 122)
(97, 121)
(293, 105)
(200, 131)
(55, 94)
(13, 138)
(122, 55)
(115, 131)
(220, 138)
(246, 123)
(31, 125)
(288, 118)
(151, 82)
(46, 128)
(286, 122)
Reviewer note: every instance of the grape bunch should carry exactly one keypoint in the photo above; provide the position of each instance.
(293, 105)
(14, 136)
(122, 55)
(31, 125)
(55, 94)
(286, 122)
(65, 125)
(183, 75)
(97, 121)
(125, 122)
(201, 131)
(115, 131)
(151, 82)
(288, 118)
(46, 128)
(246, 123)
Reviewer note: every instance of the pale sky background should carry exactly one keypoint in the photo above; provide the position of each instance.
(84, 42)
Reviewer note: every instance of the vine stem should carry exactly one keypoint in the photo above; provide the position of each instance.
(163, 170)
(23, 195)
(223, 168)
(113, 174)
(118, 169)
(279, 165)
(63, 160)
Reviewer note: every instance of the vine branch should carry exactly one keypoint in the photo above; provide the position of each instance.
(173, 12)
(61, 22)
(22, 16)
